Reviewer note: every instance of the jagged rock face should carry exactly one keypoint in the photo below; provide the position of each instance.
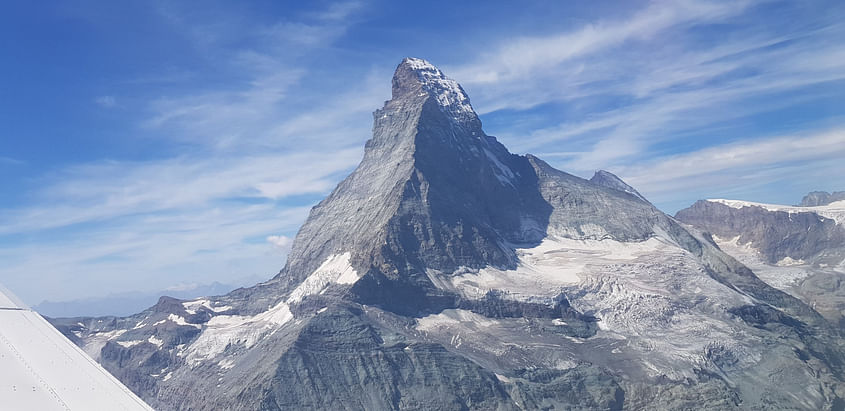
(820, 198)
(800, 250)
(448, 273)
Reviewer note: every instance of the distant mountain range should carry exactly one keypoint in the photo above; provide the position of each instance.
(122, 304)
(446, 273)
(820, 198)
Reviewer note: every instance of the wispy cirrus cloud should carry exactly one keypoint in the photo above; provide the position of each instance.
(106, 101)
(144, 252)
(671, 77)
(519, 71)
(223, 208)
(742, 167)
(10, 161)
(107, 190)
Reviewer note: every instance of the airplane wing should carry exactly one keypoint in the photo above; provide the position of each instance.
(40, 369)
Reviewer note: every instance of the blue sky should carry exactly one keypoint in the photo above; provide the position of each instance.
(146, 145)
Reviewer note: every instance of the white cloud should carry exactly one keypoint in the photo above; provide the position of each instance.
(107, 190)
(106, 101)
(519, 72)
(739, 167)
(11, 161)
(280, 242)
(339, 11)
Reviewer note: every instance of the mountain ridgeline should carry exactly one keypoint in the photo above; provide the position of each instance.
(447, 273)
(798, 249)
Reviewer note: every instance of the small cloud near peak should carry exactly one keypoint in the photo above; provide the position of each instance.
(106, 101)
(280, 243)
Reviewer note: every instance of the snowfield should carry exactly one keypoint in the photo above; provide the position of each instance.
(834, 211)
(223, 331)
(639, 291)
(544, 270)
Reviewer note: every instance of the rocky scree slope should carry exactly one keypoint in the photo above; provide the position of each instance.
(447, 273)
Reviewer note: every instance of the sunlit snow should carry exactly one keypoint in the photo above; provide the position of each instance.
(336, 269)
(542, 270)
(224, 330)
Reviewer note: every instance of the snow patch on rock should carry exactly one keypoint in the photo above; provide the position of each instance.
(223, 331)
(336, 269)
(155, 341)
(95, 342)
(193, 306)
(789, 261)
(451, 317)
(503, 173)
(226, 363)
(129, 344)
(180, 321)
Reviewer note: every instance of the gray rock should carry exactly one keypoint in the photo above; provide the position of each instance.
(820, 198)
(610, 180)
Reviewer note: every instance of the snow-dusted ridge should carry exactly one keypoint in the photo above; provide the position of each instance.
(448, 92)
(191, 307)
(834, 211)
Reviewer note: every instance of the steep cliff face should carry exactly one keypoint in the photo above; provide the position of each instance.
(448, 273)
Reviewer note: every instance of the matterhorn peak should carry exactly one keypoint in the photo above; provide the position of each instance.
(415, 77)
(446, 264)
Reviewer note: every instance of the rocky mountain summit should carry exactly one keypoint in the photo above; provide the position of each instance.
(821, 198)
(447, 273)
(798, 249)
